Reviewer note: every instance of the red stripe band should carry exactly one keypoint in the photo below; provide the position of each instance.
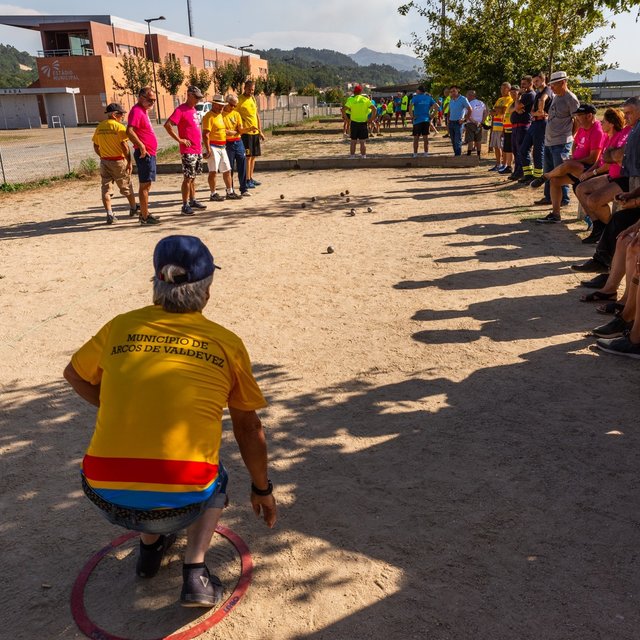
(148, 470)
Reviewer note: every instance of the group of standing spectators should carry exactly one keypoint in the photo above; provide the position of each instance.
(230, 137)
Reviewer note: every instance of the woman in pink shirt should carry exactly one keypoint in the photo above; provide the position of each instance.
(617, 134)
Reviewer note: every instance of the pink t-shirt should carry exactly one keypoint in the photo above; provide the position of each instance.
(618, 139)
(587, 140)
(139, 120)
(186, 119)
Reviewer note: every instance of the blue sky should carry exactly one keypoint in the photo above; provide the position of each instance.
(330, 24)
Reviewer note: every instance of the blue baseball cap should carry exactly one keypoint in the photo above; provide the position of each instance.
(187, 252)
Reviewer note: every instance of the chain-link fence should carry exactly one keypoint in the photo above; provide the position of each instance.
(29, 155)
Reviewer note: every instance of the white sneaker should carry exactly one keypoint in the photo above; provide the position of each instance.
(364, 156)
(414, 155)
(352, 156)
(425, 154)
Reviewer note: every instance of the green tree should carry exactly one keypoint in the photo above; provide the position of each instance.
(171, 75)
(137, 74)
(283, 84)
(230, 74)
(309, 89)
(467, 45)
(199, 78)
(334, 96)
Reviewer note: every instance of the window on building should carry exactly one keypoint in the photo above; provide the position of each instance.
(187, 59)
(110, 47)
(172, 56)
(209, 64)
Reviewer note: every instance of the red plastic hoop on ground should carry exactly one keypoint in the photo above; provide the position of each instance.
(93, 631)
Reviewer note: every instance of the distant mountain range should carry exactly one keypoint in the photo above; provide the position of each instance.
(616, 75)
(398, 61)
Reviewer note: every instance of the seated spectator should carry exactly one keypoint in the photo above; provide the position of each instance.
(624, 189)
(597, 208)
(587, 146)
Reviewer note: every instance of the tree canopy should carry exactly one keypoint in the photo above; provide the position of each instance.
(480, 43)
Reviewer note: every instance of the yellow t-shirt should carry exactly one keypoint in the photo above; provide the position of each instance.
(232, 122)
(499, 119)
(165, 379)
(213, 126)
(109, 135)
(248, 110)
(360, 107)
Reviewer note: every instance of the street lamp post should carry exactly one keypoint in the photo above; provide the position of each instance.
(153, 65)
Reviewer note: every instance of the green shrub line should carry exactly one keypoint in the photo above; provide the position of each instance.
(86, 168)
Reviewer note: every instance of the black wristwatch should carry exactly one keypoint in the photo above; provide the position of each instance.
(262, 492)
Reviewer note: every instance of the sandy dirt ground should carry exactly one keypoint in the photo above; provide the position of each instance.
(452, 458)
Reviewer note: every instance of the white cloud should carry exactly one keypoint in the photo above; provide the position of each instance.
(13, 10)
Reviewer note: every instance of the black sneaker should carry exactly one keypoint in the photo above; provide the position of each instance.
(550, 218)
(514, 177)
(216, 197)
(620, 347)
(245, 194)
(594, 236)
(543, 202)
(134, 211)
(233, 196)
(150, 559)
(505, 170)
(613, 329)
(596, 283)
(186, 210)
(194, 204)
(111, 218)
(149, 220)
(526, 179)
(200, 588)
(536, 182)
(590, 266)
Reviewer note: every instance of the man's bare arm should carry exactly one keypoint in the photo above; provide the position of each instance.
(252, 443)
(86, 390)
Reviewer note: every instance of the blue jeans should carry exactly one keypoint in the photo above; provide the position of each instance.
(237, 154)
(553, 156)
(455, 133)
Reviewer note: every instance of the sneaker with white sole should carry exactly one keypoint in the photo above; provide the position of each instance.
(194, 204)
(620, 347)
(111, 218)
(186, 210)
(199, 587)
(550, 218)
(216, 197)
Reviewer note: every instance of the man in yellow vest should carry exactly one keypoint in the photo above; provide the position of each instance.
(248, 110)
(360, 107)
(110, 142)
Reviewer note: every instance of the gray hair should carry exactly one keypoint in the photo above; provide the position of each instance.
(180, 297)
(632, 102)
(231, 99)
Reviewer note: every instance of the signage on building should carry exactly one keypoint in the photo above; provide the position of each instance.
(56, 72)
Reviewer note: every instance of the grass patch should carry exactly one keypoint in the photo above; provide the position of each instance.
(14, 187)
(170, 154)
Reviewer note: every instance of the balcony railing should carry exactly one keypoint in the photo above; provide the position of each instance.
(62, 53)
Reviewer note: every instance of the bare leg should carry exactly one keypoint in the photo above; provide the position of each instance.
(363, 147)
(352, 147)
(556, 193)
(211, 179)
(143, 195)
(226, 176)
(186, 189)
(598, 201)
(416, 142)
(106, 200)
(199, 536)
(575, 167)
(251, 163)
(426, 144)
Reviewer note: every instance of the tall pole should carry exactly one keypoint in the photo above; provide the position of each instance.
(189, 18)
(153, 65)
(443, 15)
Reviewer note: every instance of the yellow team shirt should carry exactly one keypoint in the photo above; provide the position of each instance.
(360, 108)
(232, 122)
(498, 120)
(214, 128)
(165, 379)
(108, 136)
(248, 110)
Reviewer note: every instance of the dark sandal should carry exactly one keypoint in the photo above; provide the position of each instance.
(610, 308)
(598, 296)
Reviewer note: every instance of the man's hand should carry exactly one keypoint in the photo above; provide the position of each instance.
(266, 505)
(143, 150)
(261, 136)
(184, 142)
